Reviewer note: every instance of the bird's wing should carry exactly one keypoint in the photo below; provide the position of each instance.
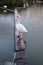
(21, 27)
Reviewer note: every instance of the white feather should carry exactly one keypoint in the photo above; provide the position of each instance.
(5, 6)
(20, 27)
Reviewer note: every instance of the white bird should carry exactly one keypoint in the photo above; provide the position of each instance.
(5, 6)
(20, 27)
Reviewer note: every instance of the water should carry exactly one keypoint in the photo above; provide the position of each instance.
(6, 37)
(32, 18)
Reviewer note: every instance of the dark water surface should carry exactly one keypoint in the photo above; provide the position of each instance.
(32, 18)
(6, 36)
